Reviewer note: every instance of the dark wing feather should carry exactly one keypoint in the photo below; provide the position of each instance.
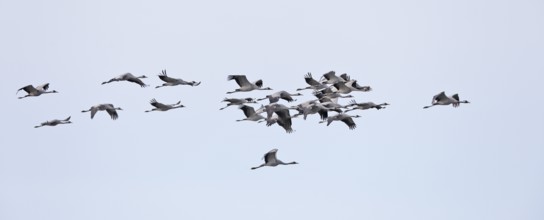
(270, 156)
(259, 83)
(166, 78)
(29, 89)
(286, 96)
(349, 121)
(329, 75)
(154, 102)
(112, 113)
(345, 76)
(241, 80)
(137, 81)
(455, 96)
(310, 80)
(44, 86)
(248, 110)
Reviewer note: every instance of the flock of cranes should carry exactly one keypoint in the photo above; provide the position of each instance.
(327, 92)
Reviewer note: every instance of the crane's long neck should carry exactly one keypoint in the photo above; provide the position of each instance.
(290, 163)
(262, 165)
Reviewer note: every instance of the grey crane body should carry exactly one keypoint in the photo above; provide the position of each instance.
(347, 119)
(129, 78)
(313, 84)
(169, 81)
(322, 110)
(35, 91)
(442, 99)
(163, 107)
(271, 160)
(331, 78)
(245, 85)
(55, 122)
(109, 108)
(313, 107)
(275, 97)
(365, 105)
(328, 93)
(235, 101)
(342, 88)
(251, 114)
(353, 85)
(283, 116)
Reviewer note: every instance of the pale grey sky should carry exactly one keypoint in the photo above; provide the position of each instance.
(483, 160)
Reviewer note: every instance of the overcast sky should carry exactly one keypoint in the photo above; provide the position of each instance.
(483, 160)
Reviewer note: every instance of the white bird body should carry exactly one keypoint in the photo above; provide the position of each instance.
(245, 85)
(35, 91)
(169, 81)
(271, 160)
(130, 78)
(54, 122)
(442, 99)
(163, 107)
(109, 108)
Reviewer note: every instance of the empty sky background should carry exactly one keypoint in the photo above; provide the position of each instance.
(483, 160)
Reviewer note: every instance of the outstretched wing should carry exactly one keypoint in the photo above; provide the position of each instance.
(284, 119)
(112, 113)
(93, 111)
(310, 80)
(137, 81)
(43, 87)
(355, 85)
(438, 97)
(286, 96)
(241, 80)
(345, 76)
(270, 156)
(164, 77)
(329, 75)
(29, 89)
(349, 122)
(455, 96)
(341, 87)
(248, 110)
(259, 83)
(154, 102)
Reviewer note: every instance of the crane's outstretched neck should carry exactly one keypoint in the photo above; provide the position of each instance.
(253, 168)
